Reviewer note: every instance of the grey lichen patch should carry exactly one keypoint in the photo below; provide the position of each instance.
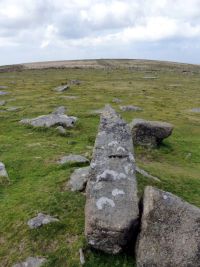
(103, 201)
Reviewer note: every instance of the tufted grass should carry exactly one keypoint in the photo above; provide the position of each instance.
(37, 182)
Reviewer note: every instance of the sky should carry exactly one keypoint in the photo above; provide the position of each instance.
(44, 30)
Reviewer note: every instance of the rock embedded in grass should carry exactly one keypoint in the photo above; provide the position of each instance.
(116, 100)
(75, 82)
(3, 87)
(31, 262)
(41, 219)
(170, 231)
(54, 119)
(111, 212)
(2, 103)
(61, 130)
(150, 133)
(71, 158)
(130, 108)
(3, 93)
(78, 179)
(195, 110)
(62, 88)
(3, 172)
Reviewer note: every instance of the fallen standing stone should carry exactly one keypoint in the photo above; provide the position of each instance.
(111, 212)
(73, 159)
(170, 231)
(78, 179)
(54, 119)
(31, 262)
(130, 108)
(41, 219)
(150, 133)
(62, 88)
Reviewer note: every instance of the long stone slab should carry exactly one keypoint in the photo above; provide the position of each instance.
(111, 212)
(170, 231)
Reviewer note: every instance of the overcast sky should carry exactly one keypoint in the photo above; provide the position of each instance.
(41, 30)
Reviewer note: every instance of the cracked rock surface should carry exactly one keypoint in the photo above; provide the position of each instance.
(111, 212)
(170, 231)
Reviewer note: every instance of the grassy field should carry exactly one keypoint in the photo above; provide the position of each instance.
(37, 182)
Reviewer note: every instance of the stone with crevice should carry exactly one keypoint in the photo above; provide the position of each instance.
(150, 133)
(111, 212)
(41, 219)
(31, 262)
(170, 231)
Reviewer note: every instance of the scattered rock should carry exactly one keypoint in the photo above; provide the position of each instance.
(2, 103)
(111, 212)
(82, 258)
(3, 172)
(41, 219)
(31, 262)
(146, 174)
(57, 118)
(3, 87)
(78, 179)
(61, 130)
(170, 231)
(62, 88)
(73, 159)
(130, 108)
(75, 82)
(116, 100)
(195, 110)
(3, 93)
(150, 133)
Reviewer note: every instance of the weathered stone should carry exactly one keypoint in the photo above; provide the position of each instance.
(150, 77)
(195, 110)
(150, 133)
(62, 88)
(54, 119)
(41, 219)
(75, 82)
(146, 174)
(3, 93)
(73, 159)
(170, 231)
(31, 262)
(2, 103)
(111, 212)
(61, 130)
(116, 100)
(78, 179)
(59, 111)
(130, 108)
(3, 172)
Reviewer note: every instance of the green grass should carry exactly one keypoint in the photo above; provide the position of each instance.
(37, 182)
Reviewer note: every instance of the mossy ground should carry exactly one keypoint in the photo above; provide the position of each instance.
(37, 182)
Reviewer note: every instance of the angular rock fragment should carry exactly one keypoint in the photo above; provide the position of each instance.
(31, 262)
(62, 88)
(57, 118)
(41, 219)
(73, 159)
(170, 231)
(78, 179)
(130, 108)
(150, 133)
(111, 212)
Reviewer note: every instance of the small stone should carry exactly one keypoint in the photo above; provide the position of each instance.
(130, 108)
(61, 130)
(59, 110)
(78, 179)
(195, 110)
(73, 159)
(41, 219)
(116, 100)
(150, 133)
(75, 82)
(62, 88)
(82, 258)
(3, 172)
(2, 103)
(170, 231)
(3, 93)
(31, 262)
